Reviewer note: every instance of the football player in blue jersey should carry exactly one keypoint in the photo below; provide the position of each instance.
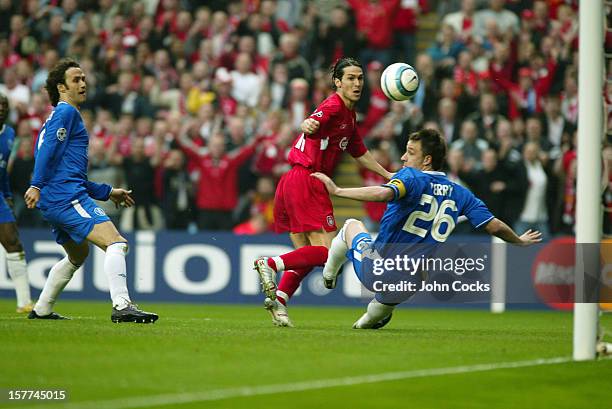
(60, 189)
(15, 257)
(423, 208)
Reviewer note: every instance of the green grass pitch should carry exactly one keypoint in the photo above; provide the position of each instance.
(208, 352)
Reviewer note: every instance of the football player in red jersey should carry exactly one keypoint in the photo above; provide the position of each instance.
(302, 205)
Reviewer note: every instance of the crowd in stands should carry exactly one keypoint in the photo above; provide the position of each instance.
(195, 104)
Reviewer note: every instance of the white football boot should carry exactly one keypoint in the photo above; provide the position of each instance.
(377, 316)
(267, 277)
(278, 311)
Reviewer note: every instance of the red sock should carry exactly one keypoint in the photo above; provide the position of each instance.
(272, 264)
(289, 283)
(305, 257)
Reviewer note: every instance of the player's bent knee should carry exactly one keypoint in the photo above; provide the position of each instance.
(355, 223)
(120, 246)
(355, 227)
(78, 257)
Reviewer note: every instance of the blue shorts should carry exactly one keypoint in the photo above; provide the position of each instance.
(75, 220)
(6, 214)
(363, 255)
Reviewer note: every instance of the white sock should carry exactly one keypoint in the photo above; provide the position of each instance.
(375, 312)
(114, 267)
(283, 295)
(280, 264)
(59, 276)
(336, 257)
(17, 270)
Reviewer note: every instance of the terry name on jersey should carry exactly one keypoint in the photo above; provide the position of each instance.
(441, 190)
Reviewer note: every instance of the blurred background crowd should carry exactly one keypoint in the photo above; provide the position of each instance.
(195, 104)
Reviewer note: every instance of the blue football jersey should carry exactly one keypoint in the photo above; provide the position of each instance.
(7, 138)
(426, 207)
(61, 158)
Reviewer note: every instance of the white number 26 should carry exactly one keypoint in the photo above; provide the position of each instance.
(435, 213)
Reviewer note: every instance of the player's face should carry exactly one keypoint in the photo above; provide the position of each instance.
(351, 85)
(413, 158)
(4, 111)
(76, 87)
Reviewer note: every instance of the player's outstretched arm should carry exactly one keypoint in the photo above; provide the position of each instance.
(367, 161)
(500, 229)
(122, 197)
(364, 194)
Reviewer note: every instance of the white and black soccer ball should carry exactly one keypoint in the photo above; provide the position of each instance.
(399, 81)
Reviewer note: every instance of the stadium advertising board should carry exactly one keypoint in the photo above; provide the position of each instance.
(218, 268)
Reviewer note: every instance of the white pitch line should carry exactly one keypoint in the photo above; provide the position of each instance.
(247, 391)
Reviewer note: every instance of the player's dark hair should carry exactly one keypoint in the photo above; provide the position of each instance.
(337, 70)
(432, 144)
(57, 76)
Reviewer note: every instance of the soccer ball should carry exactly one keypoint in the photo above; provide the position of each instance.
(399, 81)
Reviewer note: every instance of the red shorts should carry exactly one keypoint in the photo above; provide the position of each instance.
(302, 203)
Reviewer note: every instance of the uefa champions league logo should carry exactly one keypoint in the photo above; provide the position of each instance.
(61, 134)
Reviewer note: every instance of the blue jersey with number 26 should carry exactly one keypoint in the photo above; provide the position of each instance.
(426, 207)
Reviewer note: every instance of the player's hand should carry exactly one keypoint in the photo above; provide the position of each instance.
(331, 187)
(32, 196)
(122, 197)
(310, 126)
(530, 237)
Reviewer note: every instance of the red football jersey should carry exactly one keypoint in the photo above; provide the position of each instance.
(322, 151)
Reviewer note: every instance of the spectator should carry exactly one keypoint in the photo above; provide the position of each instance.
(489, 182)
(506, 144)
(470, 144)
(555, 124)
(447, 119)
(378, 102)
(50, 58)
(101, 171)
(20, 168)
(246, 86)
(462, 21)
(140, 175)
(298, 105)
(261, 209)
(487, 117)
(447, 48)
(217, 191)
(339, 37)
(176, 204)
(223, 88)
(425, 97)
(271, 156)
(375, 25)
(534, 214)
(297, 66)
(405, 24)
(279, 85)
(533, 133)
(18, 94)
(505, 20)
(569, 98)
